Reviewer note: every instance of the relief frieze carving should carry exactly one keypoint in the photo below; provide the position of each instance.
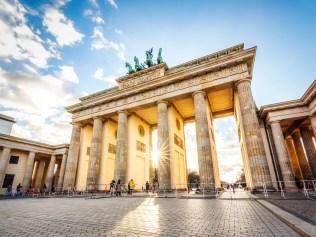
(165, 89)
(141, 79)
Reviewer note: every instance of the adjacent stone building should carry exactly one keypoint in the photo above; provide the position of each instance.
(29, 163)
(291, 130)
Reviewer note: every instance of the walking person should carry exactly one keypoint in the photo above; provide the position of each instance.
(147, 186)
(118, 188)
(19, 189)
(156, 186)
(131, 186)
(112, 188)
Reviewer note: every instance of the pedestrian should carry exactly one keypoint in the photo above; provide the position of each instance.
(9, 190)
(19, 189)
(131, 186)
(118, 188)
(128, 188)
(44, 188)
(156, 186)
(112, 188)
(147, 186)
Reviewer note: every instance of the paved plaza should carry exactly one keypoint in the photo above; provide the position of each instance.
(137, 217)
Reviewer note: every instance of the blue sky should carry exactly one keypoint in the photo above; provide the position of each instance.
(52, 52)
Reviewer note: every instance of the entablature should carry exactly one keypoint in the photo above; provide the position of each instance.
(196, 73)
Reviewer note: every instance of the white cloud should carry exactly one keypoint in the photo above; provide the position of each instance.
(61, 27)
(94, 16)
(67, 73)
(13, 10)
(94, 3)
(88, 12)
(119, 32)
(99, 41)
(37, 102)
(18, 41)
(98, 20)
(113, 3)
(109, 79)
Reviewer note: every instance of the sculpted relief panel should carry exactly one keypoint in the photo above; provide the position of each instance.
(110, 107)
(141, 79)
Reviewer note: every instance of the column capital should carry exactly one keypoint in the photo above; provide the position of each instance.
(98, 118)
(163, 101)
(275, 122)
(77, 124)
(247, 79)
(297, 130)
(199, 92)
(122, 112)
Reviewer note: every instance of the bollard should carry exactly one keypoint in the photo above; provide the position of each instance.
(164, 190)
(281, 189)
(265, 190)
(305, 190)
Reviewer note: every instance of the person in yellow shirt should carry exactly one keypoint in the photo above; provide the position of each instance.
(131, 186)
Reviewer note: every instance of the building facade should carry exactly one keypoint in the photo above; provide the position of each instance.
(6, 124)
(111, 129)
(291, 130)
(31, 164)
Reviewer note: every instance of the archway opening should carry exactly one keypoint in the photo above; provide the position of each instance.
(228, 150)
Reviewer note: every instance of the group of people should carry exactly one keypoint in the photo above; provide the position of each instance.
(19, 190)
(116, 187)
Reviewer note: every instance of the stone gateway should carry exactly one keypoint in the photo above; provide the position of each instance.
(112, 131)
(165, 98)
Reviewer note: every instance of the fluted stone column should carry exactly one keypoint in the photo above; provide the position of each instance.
(4, 160)
(203, 140)
(313, 123)
(50, 173)
(39, 175)
(307, 136)
(293, 157)
(62, 172)
(302, 159)
(255, 148)
(29, 170)
(268, 154)
(164, 174)
(120, 171)
(72, 159)
(283, 157)
(95, 154)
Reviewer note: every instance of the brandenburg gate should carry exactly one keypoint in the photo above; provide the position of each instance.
(111, 129)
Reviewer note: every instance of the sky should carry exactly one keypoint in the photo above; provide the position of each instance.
(53, 52)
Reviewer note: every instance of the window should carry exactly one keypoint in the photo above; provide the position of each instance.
(141, 130)
(88, 151)
(178, 124)
(112, 148)
(8, 180)
(140, 146)
(14, 160)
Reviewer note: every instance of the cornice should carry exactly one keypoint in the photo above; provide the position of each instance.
(32, 143)
(305, 99)
(192, 69)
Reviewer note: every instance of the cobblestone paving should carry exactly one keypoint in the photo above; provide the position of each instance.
(305, 209)
(137, 217)
(295, 203)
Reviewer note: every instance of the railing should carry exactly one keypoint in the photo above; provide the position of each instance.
(300, 189)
